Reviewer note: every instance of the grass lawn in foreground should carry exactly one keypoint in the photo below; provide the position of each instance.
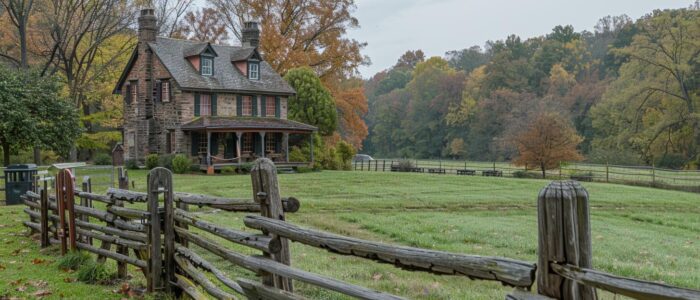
(639, 232)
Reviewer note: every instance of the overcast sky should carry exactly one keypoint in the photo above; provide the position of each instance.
(390, 27)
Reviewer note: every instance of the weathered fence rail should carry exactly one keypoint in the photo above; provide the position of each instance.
(158, 241)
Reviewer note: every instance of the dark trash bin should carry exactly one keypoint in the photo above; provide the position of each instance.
(18, 180)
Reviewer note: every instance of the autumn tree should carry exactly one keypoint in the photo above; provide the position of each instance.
(203, 25)
(312, 103)
(652, 108)
(301, 33)
(351, 104)
(548, 140)
(19, 12)
(78, 40)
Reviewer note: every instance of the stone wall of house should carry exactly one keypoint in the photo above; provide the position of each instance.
(165, 115)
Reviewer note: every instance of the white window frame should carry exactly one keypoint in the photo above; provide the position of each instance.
(207, 69)
(254, 70)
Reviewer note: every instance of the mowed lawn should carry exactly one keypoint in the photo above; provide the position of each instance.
(644, 233)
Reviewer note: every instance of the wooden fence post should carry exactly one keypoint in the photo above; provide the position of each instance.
(87, 187)
(266, 191)
(65, 199)
(564, 238)
(607, 172)
(160, 181)
(44, 211)
(123, 178)
(383, 165)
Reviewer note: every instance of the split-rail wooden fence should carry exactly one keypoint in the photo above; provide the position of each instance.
(159, 241)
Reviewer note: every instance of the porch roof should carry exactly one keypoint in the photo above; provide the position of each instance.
(246, 123)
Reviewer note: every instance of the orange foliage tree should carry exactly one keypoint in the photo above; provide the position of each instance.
(548, 140)
(351, 103)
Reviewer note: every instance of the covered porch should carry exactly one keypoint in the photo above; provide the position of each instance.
(219, 142)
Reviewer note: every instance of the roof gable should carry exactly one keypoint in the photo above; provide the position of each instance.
(199, 49)
(125, 72)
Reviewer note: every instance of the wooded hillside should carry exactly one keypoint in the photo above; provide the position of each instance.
(629, 88)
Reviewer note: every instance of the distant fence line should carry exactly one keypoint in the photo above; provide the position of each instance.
(684, 180)
(102, 178)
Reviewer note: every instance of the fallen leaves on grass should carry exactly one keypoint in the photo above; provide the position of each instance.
(126, 290)
(41, 293)
(69, 279)
(2, 267)
(39, 284)
(38, 261)
(376, 277)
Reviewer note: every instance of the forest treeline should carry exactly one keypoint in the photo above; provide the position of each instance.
(629, 89)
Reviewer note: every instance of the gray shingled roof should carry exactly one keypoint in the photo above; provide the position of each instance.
(226, 76)
(256, 123)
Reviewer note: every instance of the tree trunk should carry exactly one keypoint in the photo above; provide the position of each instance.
(543, 170)
(37, 156)
(22, 28)
(6, 154)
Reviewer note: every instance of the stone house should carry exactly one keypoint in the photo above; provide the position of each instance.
(221, 105)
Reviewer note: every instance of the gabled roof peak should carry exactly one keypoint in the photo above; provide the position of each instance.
(199, 49)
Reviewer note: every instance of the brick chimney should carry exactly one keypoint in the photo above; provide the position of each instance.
(148, 126)
(147, 26)
(250, 34)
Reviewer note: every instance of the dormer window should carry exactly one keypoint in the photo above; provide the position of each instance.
(254, 70)
(207, 66)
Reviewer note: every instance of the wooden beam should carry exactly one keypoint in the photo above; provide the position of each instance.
(127, 195)
(261, 264)
(508, 271)
(201, 279)
(202, 263)
(113, 255)
(290, 204)
(257, 291)
(634, 288)
(256, 241)
(189, 288)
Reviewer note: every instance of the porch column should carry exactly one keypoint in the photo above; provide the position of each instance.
(238, 146)
(285, 144)
(311, 146)
(208, 148)
(262, 142)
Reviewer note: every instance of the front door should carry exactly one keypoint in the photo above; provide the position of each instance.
(230, 145)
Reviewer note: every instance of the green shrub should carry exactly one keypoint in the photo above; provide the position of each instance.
(526, 174)
(405, 165)
(671, 161)
(246, 167)
(93, 272)
(151, 161)
(297, 155)
(345, 153)
(131, 164)
(181, 164)
(304, 170)
(166, 161)
(73, 260)
(102, 159)
(228, 170)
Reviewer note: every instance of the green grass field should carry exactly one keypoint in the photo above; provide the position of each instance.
(639, 232)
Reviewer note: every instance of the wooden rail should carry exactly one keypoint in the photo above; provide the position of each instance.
(507, 271)
(634, 288)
